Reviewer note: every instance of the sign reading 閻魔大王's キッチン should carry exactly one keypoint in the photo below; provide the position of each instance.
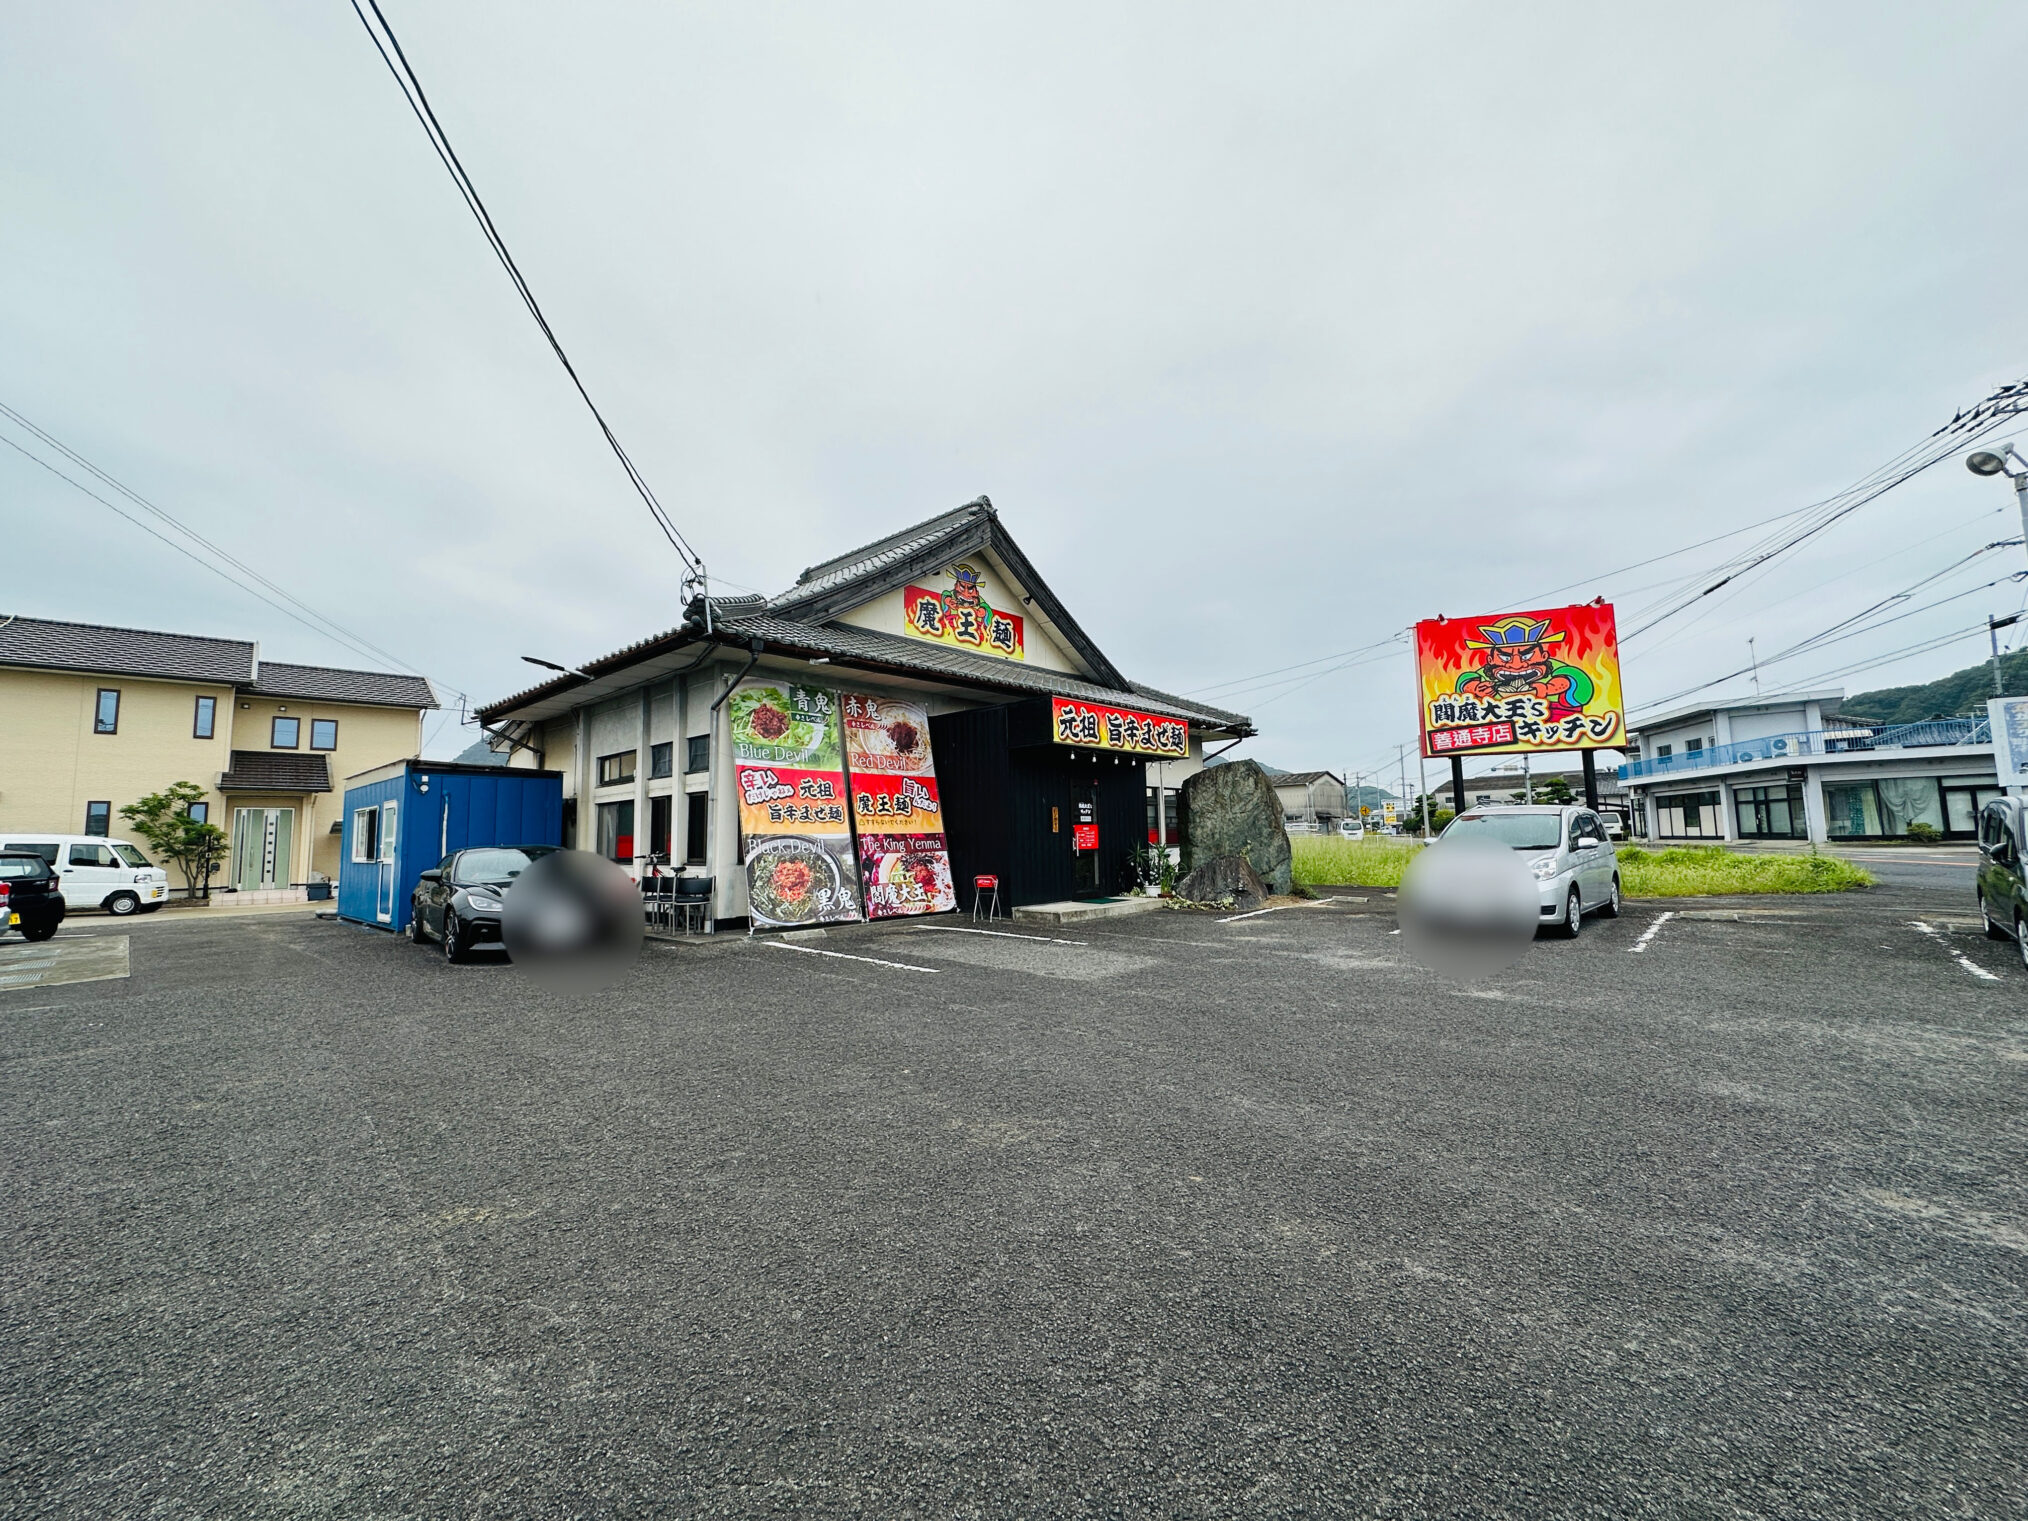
(963, 614)
(1095, 726)
(1547, 680)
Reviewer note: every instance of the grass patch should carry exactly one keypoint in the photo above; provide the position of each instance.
(1375, 861)
(1696, 871)
(1681, 871)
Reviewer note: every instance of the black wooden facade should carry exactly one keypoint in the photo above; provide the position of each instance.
(1011, 796)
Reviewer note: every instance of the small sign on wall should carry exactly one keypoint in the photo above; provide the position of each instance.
(1084, 837)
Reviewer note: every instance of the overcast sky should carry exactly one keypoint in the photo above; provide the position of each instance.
(1268, 329)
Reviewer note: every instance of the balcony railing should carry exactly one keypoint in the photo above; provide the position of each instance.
(1936, 733)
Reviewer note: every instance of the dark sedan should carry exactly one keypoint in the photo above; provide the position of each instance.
(31, 895)
(458, 902)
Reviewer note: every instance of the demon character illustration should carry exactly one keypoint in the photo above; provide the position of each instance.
(1518, 664)
(965, 587)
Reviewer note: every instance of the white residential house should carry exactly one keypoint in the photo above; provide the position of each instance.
(1788, 766)
(1311, 800)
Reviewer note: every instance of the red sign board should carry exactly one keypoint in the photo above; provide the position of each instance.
(1084, 837)
(1095, 726)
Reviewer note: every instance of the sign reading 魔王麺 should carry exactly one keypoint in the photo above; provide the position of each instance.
(961, 614)
(1095, 726)
(1546, 680)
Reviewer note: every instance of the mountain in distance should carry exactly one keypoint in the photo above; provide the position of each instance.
(1961, 692)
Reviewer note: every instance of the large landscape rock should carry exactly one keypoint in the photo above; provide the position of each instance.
(1228, 877)
(1233, 811)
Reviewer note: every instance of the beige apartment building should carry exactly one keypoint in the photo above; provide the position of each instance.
(93, 718)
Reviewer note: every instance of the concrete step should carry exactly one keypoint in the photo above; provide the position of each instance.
(1084, 910)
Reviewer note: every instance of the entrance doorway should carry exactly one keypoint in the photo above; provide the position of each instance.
(1084, 838)
(261, 839)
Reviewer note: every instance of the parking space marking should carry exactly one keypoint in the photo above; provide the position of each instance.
(811, 950)
(1651, 931)
(958, 929)
(1958, 956)
(1277, 908)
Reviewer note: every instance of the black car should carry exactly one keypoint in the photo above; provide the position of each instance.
(31, 895)
(458, 901)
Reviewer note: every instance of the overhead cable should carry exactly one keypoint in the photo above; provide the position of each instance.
(418, 103)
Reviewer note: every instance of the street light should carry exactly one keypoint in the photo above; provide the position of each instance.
(1996, 462)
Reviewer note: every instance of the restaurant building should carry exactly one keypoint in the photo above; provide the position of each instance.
(906, 718)
(1791, 766)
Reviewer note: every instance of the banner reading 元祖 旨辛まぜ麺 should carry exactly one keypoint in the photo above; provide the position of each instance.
(1511, 682)
(793, 826)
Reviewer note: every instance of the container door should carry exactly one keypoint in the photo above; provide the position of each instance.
(390, 855)
(1084, 839)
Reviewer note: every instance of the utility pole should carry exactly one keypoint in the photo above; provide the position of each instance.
(1527, 779)
(1422, 784)
(1401, 760)
(1753, 659)
(1993, 627)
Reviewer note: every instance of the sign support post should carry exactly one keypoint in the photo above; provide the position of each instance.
(1591, 780)
(1457, 784)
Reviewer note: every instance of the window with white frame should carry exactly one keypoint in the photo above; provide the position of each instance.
(366, 834)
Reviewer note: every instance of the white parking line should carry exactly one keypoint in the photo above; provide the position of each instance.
(1277, 908)
(811, 950)
(956, 929)
(1958, 956)
(1651, 931)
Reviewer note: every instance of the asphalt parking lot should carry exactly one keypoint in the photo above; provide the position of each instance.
(1712, 1214)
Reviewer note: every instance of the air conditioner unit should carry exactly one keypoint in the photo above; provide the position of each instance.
(1777, 747)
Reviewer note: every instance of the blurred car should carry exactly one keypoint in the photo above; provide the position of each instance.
(1577, 870)
(2003, 880)
(459, 902)
(31, 900)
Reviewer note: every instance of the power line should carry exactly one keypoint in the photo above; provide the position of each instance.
(332, 628)
(333, 631)
(418, 103)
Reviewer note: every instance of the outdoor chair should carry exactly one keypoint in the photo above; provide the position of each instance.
(981, 887)
(691, 900)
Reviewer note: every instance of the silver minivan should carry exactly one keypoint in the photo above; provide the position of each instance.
(1577, 870)
(94, 872)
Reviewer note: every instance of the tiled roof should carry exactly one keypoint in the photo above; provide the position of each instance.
(51, 645)
(1302, 778)
(330, 684)
(124, 651)
(803, 618)
(881, 553)
(275, 771)
(920, 655)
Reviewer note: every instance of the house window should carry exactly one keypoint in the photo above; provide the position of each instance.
(616, 830)
(696, 754)
(661, 760)
(205, 722)
(366, 834)
(1688, 816)
(615, 769)
(200, 813)
(107, 718)
(286, 733)
(696, 828)
(1663, 752)
(1884, 807)
(323, 734)
(98, 819)
(1692, 746)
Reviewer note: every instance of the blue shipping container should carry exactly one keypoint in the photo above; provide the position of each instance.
(404, 817)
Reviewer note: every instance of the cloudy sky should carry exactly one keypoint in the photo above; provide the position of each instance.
(1268, 329)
